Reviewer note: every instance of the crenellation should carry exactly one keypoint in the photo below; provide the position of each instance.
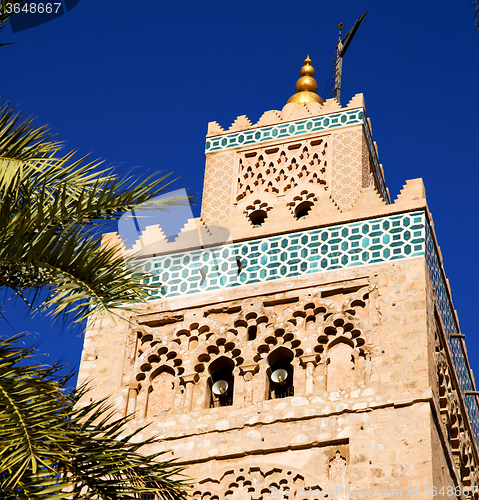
(294, 111)
(113, 240)
(290, 112)
(241, 123)
(214, 128)
(369, 199)
(269, 118)
(331, 106)
(357, 101)
(413, 190)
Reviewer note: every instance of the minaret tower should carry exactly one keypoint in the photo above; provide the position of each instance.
(305, 337)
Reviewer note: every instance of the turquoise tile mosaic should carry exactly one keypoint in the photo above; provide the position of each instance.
(294, 129)
(455, 344)
(295, 254)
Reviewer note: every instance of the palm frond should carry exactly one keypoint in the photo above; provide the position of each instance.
(475, 6)
(4, 17)
(82, 277)
(32, 434)
(109, 462)
(49, 206)
(52, 447)
(21, 139)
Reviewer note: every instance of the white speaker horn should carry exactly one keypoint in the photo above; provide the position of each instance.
(220, 387)
(279, 376)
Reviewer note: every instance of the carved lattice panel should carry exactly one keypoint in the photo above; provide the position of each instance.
(276, 169)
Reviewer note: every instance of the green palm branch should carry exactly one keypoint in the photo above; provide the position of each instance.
(4, 17)
(50, 207)
(52, 447)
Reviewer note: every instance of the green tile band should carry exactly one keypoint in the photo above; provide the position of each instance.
(283, 130)
(295, 254)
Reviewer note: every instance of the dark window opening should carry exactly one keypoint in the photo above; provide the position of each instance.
(221, 382)
(252, 331)
(303, 209)
(257, 218)
(281, 374)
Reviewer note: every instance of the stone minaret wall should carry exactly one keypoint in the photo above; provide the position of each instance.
(348, 292)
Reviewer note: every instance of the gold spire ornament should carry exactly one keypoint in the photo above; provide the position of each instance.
(306, 86)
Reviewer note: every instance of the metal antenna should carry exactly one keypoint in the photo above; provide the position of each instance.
(341, 49)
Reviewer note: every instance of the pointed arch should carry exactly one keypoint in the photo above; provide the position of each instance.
(161, 391)
(341, 365)
(221, 382)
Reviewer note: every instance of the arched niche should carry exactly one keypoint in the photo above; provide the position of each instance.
(280, 359)
(161, 392)
(220, 372)
(341, 366)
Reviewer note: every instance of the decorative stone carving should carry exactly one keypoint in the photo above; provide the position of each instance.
(337, 467)
(280, 168)
(257, 483)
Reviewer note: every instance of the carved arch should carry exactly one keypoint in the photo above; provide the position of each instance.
(161, 391)
(217, 347)
(301, 201)
(259, 483)
(280, 335)
(160, 354)
(247, 325)
(196, 330)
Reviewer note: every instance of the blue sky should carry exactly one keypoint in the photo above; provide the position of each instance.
(137, 83)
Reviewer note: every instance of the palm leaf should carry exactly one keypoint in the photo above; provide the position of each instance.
(49, 206)
(32, 436)
(110, 464)
(51, 446)
(3, 20)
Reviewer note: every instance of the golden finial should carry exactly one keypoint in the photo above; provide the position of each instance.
(306, 86)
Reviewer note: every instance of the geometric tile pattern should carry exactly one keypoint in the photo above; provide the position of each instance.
(346, 172)
(449, 322)
(294, 129)
(306, 252)
(285, 256)
(290, 129)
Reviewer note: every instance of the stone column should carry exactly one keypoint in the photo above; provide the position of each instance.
(132, 395)
(248, 371)
(142, 399)
(309, 362)
(189, 381)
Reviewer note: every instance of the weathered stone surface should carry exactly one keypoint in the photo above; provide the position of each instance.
(373, 397)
